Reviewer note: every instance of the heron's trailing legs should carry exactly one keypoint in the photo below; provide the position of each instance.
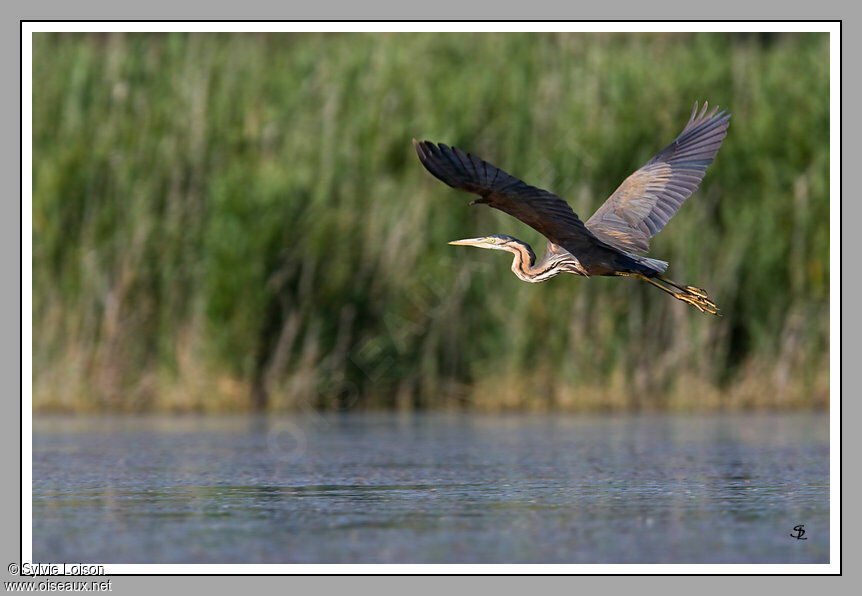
(688, 294)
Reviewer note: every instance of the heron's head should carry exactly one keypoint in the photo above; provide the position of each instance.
(495, 242)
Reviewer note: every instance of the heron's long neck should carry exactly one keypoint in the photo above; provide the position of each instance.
(525, 267)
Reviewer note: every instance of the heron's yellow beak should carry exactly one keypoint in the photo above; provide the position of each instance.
(480, 242)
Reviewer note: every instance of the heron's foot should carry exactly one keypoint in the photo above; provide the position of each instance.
(698, 299)
(688, 294)
(696, 292)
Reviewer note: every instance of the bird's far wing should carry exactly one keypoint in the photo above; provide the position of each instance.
(647, 199)
(539, 209)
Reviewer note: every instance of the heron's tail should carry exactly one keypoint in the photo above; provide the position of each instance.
(655, 264)
(660, 266)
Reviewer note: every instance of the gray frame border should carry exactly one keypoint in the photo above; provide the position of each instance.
(445, 9)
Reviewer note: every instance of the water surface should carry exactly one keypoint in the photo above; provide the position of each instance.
(431, 488)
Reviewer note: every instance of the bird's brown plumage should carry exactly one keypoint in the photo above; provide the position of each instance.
(606, 244)
(647, 199)
(543, 211)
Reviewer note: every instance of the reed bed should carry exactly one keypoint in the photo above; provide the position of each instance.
(235, 221)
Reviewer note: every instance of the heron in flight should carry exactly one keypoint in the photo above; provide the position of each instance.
(609, 242)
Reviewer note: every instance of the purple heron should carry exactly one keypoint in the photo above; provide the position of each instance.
(609, 242)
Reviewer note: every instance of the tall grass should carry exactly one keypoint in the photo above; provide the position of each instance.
(226, 221)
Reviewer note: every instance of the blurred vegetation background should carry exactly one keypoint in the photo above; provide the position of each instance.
(232, 221)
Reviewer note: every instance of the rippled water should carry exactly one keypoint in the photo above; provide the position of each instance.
(431, 488)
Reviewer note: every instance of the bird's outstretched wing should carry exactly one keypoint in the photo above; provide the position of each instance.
(647, 199)
(539, 209)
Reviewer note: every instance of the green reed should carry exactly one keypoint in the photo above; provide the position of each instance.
(223, 220)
